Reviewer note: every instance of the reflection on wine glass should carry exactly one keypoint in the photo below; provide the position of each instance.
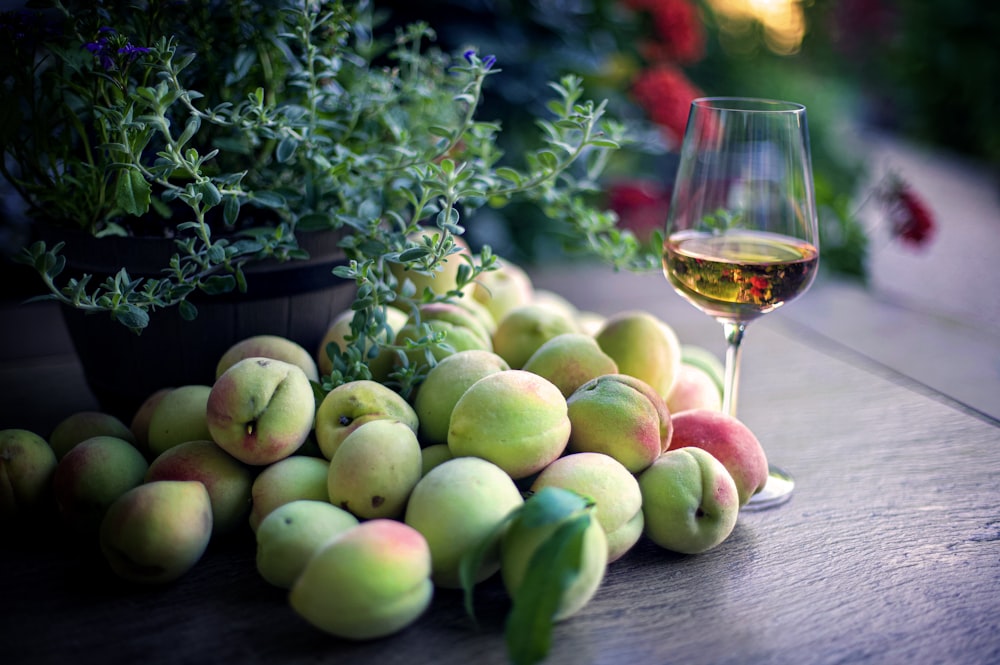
(741, 236)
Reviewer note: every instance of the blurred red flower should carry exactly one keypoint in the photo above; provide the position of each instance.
(665, 93)
(910, 219)
(641, 205)
(679, 28)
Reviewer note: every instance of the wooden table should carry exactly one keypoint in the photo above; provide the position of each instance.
(889, 550)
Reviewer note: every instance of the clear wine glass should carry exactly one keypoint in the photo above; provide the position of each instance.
(741, 236)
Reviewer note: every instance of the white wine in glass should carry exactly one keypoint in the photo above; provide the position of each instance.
(741, 236)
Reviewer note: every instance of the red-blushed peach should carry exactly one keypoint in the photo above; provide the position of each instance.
(180, 415)
(260, 410)
(525, 328)
(293, 478)
(227, 480)
(528, 534)
(444, 384)
(707, 361)
(503, 289)
(643, 346)
(84, 425)
(289, 536)
(91, 476)
(350, 405)
(142, 417)
(730, 441)
(443, 278)
(693, 389)
(370, 581)
(570, 360)
(620, 416)
(269, 346)
(689, 501)
(613, 489)
(515, 419)
(457, 506)
(339, 331)
(27, 464)
(374, 470)
(157, 531)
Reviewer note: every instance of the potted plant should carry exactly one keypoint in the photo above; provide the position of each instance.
(240, 133)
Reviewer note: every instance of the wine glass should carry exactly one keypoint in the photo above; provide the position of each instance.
(741, 236)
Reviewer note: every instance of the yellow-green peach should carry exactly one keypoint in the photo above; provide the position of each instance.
(370, 581)
(269, 346)
(433, 456)
(339, 332)
(457, 506)
(612, 488)
(91, 476)
(458, 335)
(590, 323)
(142, 418)
(227, 480)
(350, 405)
(443, 278)
(375, 469)
(444, 384)
(180, 416)
(689, 501)
(644, 347)
(477, 310)
(261, 410)
(27, 464)
(526, 328)
(708, 361)
(693, 389)
(556, 302)
(503, 289)
(84, 425)
(292, 533)
(523, 538)
(157, 531)
(291, 479)
(620, 416)
(515, 419)
(730, 441)
(570, 360)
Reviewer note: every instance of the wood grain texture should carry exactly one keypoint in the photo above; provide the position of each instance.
(889, 551)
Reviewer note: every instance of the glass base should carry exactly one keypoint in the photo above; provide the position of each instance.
(777, 490)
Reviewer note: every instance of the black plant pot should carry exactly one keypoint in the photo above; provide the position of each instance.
(294, 299)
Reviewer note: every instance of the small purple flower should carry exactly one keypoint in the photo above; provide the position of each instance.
(106, 52)
(469, 54)
(489, 61)
(132, 52)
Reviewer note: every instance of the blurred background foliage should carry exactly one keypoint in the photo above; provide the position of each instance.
(922, 69)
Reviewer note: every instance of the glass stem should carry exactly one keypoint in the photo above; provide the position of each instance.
(734, 336)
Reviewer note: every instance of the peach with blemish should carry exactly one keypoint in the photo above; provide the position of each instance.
(293, 478)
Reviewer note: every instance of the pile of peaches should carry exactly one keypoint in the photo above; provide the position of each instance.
(537, 421)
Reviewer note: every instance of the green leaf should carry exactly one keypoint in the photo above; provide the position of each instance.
(286, 149)
(132, 192)
(552, 569)
(132, 317)
(217, 284)
(268, 199)
(552, 504)
(471, 561)
(187, 311)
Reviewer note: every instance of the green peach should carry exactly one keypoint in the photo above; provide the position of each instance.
(179, 416)
(620, 416)
(91, 476)
(291, 479)
(570, 360)
(457, 337)
(503, 289)
(515, 419)
(444, 385)
(339, 332)
(260, 410)
(707, 361)
(370, 581)
(612, 488)
(289, 536)
(689, 500)
(456, 506)
(693, 389)
(524, 329)
(269, 346)
(590, 323)
(351, 405)
(644, 347)
(157, 531)
(142, 418)
(227, 480)
(375, 469)
(433, 456)
(27, 464)
(441, 280)
(555, 302)
(84, 425)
